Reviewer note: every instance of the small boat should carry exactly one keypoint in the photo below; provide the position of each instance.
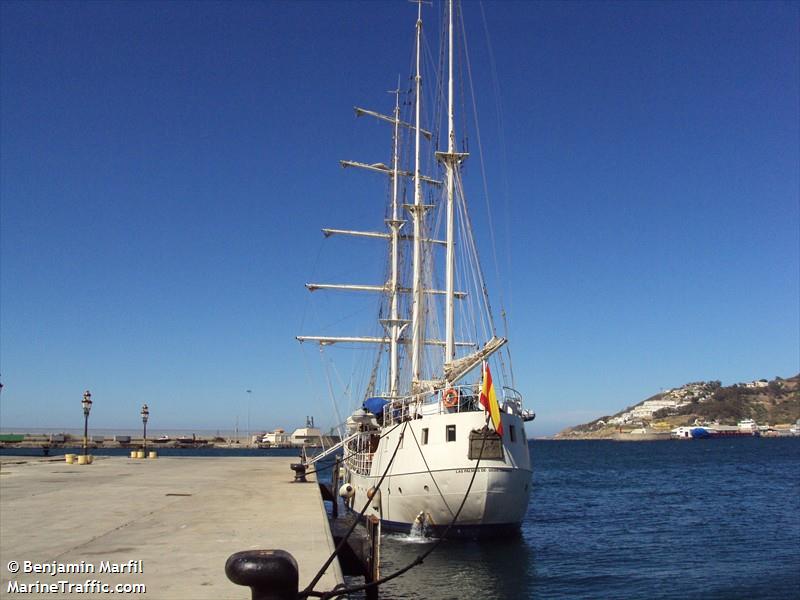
(161, 440)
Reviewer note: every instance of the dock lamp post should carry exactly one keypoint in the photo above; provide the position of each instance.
(87, 406)
(145, 416)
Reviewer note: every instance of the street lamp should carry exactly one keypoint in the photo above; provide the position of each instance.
(87, 406)
(145, 416)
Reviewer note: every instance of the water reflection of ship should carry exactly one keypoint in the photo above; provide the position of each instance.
(497, 568)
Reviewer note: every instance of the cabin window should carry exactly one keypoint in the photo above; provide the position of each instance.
(451, 433)
(424, 436)
(512, 433)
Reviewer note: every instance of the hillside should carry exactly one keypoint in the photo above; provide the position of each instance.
(767, 402)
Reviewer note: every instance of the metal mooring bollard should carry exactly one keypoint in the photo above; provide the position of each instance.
(299, 473)
(270, 574)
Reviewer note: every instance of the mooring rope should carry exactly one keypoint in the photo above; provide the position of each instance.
(309, 590)
(335, 593)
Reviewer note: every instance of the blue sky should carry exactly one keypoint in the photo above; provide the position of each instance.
(166, 168)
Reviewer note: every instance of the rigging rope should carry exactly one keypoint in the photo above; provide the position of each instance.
(308, 591)
(485, 180)
(504, 177)
(330, 388)
(335, 593)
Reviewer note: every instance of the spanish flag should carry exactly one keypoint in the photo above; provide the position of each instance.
(489, 399)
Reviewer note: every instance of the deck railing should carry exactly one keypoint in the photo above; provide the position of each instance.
(465, 399)
(359, 452)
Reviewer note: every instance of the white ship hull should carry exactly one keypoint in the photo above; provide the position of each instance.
(427, 482)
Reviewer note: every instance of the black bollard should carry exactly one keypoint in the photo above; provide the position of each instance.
(270, 574)
(299, 473)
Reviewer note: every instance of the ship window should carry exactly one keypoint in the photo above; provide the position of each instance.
(451, 433)
(512, 433)
(425, 435)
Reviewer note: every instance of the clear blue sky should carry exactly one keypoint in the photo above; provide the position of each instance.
(166, 168)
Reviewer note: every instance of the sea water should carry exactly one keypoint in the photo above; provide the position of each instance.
(678, 519)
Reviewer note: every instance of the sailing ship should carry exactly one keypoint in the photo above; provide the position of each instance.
(447, 443)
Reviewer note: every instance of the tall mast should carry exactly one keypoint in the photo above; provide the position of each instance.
(417, 313)
(452, 160)
(395, 225)
(449, 351)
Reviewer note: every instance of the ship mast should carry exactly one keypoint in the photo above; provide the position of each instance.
(451, 160)
(395, 326)
(395, 224)
(417, 211)
(449, 350)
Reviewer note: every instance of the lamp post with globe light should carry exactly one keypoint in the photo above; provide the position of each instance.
(87, 406)
(145, 416)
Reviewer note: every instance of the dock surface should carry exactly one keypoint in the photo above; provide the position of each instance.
(181, 517)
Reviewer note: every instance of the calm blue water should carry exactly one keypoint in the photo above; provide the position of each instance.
(705, 518)
(709, 518)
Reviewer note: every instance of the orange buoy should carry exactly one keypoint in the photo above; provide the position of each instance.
(450, 399)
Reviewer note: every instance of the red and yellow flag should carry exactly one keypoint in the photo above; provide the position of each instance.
(489, 399)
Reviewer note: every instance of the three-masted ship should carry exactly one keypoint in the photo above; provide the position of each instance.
(441, 429)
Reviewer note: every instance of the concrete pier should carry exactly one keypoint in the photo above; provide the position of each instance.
(173, 521)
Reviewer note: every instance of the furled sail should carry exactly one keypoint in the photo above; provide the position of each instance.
(426, 386)
(456, 369)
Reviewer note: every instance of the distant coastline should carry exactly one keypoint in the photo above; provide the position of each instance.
(774, 405)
